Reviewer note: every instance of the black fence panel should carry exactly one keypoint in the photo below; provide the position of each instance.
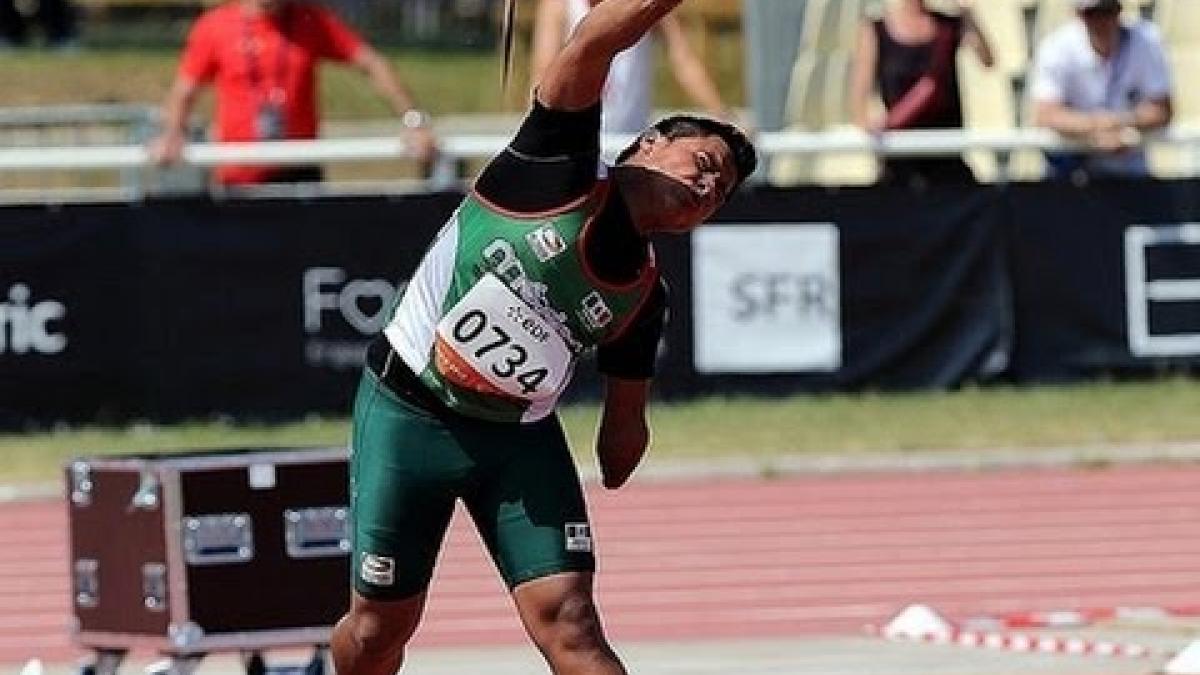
(916, 296)
(262, 309)
(69, 315)
(183, 309)
(1106, 279)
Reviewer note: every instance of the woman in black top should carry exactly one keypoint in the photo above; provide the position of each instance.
(908, 54)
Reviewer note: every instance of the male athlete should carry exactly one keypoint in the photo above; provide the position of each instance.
(542, 263)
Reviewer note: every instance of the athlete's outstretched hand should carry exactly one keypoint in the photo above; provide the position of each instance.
(617, 463)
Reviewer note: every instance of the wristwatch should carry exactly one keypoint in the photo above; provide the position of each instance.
(414, 118)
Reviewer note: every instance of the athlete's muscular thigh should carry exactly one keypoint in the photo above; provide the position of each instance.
(406, 472)
(527, 502)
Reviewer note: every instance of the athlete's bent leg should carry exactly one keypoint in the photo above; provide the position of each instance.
(370, 638)
(560, 616)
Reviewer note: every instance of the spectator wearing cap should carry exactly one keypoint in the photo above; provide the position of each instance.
(1100, 82)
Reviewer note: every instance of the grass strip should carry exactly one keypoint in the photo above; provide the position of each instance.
(1161, 411)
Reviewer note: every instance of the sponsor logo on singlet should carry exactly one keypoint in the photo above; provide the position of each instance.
(501, 259)
(595, 312)
(546, 242)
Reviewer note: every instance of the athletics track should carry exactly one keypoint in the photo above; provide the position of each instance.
(791, 557)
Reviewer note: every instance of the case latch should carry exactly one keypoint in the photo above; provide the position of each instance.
(317, 532)
(154, 586)
(81, 484)
(87, 582)
(146, 497)
(218, 539)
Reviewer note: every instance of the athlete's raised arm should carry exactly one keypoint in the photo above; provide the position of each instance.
(575, 78)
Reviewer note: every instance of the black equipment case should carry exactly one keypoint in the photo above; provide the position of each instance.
(212, 551)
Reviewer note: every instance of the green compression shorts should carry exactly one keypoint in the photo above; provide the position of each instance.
(408, 467)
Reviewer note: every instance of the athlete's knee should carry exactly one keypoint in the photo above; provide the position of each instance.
(370, 634)
(378, 631)
(572, 625)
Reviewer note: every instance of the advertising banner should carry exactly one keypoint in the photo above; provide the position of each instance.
(70, 337)
(1106, 279)
(262, 309)
(767, 298)
(267, 307)
(916, 294)
(1162, 290)
(190, 309)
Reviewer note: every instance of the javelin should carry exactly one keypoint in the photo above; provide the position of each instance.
(508, 31)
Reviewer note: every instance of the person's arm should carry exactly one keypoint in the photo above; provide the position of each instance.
(400, 98)
(167, 147)
(1048, 78)
(974, 37)
(549, 34)
(550, 163)
(862, 78)
(1156, 109)
(575, 78)
(1067, 121)
(198, 64)
(1154, 114)
(623, 434)
(689, 70)
(1102, 130)
(627, 363)
(1145, 116)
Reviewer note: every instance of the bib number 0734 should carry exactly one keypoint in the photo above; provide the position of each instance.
(492, 342)
(495, 349)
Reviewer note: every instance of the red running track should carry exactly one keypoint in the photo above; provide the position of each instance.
(794, 556)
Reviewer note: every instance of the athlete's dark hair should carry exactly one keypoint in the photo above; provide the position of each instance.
(745, 158)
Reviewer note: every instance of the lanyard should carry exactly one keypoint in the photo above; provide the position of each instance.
(275, 94)
(1112, 99)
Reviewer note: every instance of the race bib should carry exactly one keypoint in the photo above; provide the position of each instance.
(492, 342)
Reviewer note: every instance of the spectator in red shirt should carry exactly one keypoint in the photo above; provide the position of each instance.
(262, 56)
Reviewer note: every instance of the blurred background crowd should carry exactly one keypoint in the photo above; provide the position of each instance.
(1099, 72)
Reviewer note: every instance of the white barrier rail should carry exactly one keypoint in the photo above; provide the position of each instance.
(943, 142)
(477, 146)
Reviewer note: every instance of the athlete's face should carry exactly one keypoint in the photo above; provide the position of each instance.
(673, 185)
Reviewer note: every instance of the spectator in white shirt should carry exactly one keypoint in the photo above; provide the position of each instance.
(1100, 82)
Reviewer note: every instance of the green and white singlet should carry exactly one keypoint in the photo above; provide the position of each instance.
(503, 305)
